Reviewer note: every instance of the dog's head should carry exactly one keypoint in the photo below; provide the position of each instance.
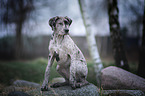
(60, 24)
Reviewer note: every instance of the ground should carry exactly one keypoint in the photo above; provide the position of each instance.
(33, 70)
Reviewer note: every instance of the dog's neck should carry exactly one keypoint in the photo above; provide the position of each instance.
(58, 38)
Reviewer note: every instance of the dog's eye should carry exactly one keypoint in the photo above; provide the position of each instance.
(60, 23)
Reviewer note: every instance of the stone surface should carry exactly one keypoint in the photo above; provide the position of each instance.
(117, 78)
(122, 93)
(23, 83)
(58, 79)
(88, 90)
(18, 93)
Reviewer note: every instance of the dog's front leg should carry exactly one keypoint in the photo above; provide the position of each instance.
(47, 73)
(72, 78)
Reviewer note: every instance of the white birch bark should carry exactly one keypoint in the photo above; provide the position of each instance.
(98, 66)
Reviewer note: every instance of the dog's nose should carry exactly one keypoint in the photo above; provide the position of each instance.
(66, 30)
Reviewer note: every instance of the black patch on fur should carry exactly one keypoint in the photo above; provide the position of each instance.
(81, 60)
(57, 57)
(52, 22)
(78, 52)
(51, 38)
(49, 56)
(68, 20)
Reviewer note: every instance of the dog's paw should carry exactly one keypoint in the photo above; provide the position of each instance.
(78, 85)
(55, 85)
(45, 88)
(73, 86)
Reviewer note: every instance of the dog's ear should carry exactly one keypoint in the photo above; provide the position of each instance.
(69, 20)
(52, 22)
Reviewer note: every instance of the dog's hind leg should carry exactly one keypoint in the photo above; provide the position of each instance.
(81, 74)
(82, 83)
(65, 73)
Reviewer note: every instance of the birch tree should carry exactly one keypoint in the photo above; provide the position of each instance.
(118, 49)
(98, 66)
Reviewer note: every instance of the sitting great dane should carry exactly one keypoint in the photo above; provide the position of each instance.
(71, 63)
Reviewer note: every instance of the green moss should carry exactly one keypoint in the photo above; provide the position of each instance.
(26, 70)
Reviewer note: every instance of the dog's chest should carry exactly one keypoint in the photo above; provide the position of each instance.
(61, 47)
(58, 48)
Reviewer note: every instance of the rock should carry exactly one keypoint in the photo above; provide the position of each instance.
(18, 93)
(88, 90)
(58, 79)
(117, 78)
(14, 88)
(122, 93)
(23, 83)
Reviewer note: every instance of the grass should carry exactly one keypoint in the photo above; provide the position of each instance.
(34, 71)
(26, 70)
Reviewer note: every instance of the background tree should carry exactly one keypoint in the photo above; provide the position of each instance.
(118, 49)
(141, 66)
(16, 11)
(91, 41)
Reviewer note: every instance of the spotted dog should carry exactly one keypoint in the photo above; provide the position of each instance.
(71, 63)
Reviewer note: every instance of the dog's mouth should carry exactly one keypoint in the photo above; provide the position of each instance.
(66, 34)
(63, 34)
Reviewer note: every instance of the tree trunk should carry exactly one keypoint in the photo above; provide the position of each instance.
(118, 49)
(91, 41)
(141, 67)
(18, 42)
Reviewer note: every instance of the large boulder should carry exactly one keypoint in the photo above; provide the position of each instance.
(117, 78)
(18, 93)
(21, 85)
(58, 79)
(88, 90)
(122, 93)
(24, 83)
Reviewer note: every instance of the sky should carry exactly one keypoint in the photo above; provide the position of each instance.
(68, 8)
(37, 24)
